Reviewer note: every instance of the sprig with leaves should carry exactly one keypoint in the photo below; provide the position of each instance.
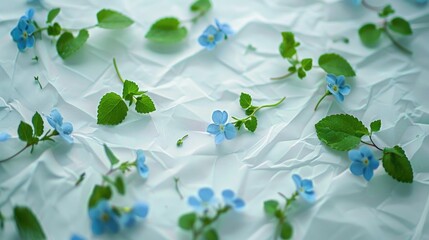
(113, 109)
(344, 132)
(370, 33)
(26, 222)
(169, 30)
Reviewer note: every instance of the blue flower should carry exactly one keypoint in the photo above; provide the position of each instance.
(4, 136)
(77, 237)
(140, 209)
(304, 187)
(64, 129)
(231, 200)
(103, 219)
(220, 129)
(22, 34)
(141, 166)
(204, 200)
(210, 37)
(337, 86)
(363, 162)
(225, 28)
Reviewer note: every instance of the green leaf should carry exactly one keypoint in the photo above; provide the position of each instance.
(397, 165)
(400, 26)
(238, 124)
(112, 158)
(301, 73)
(167, 30)
(369, 34)
(187, 221)
(201, 6)
(120, 185)
(145, 104)
(341, 132)
(130, 89)
(25, 132)
(54, 30)
(99, 193)
(37, 121)
(292, 69)
(111, 19)
(387, 10)
(53, 14)
(287, 47)
(286, 231)
(251, 124)
(335, 64)
(307, 64)
(271, 207)
(27, 224)
(245, 100)
(112, 110)
(211, 234)
(68, 45)
(375, 126)
(250, 110)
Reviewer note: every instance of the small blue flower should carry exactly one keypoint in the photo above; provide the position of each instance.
(141, 165)
(363, 162)
(305, 189)
(231, 200)
(139, 209)
(225, 28)
(220, 128)
(22, 34)
(103, 219)
(210, 37)
(77, 237)
(64, 129)
(4, 136)
(337, 86)
(204, 200)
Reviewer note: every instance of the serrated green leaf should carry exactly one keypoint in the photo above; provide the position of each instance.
(130, 89)
(245, 100)
(307, 64)
(341, 132)
(369, 34)
(238, 125)
(211, 234)
(37, 121)
(120, 185)
(112, 109)
(397, 165)
(167, 30)
(201, 6)
(187, 221)
(52, 14)
(110, 155)
(54, 30)
(286, 231)
(25, 132)
(335, 64)
(68, 45)
(387, 10)
(287, 47)
(250, 110)
(111, 19)
(271, 207)
(145, 104)
(99, 193)
(375, 126)
(292, 69)
(301, 73)
(400, 26)
(251, 124)
(27, 224)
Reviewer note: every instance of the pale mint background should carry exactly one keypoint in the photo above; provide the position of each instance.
(187, 84)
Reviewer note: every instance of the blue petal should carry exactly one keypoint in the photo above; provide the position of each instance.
(217, 117)
(297, 179)
(368, 173)
(220, 137)
(345, 90)
(228, 195)
(374, 163)
(22, 24)
(143, 170)
(55, 118)
(218, 25)
(195, 203)
(97, 227)
(338, 96)
(206, 194)
(331, 79)
(128, 220)
(77, 237)
(30, 42)
(310, 197)
(224, 117)
(340, 81)
(211, 46)
(140, 156)
(219, 37)
(141, 209)
(29, 13)
(67, 128)
(66, 137)
(203, 41)
(366, 152)
(213, 129)
(355, 155)
(22, 44)
(239, 203)
(112, 225)
(210, 30)
(307, 184)
(357, 168)
(4, 136)
(30, 29)
(16, 34)
(230, 131)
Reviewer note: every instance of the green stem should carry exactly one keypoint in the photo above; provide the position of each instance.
(117, 71)
(75, 29)
(176, 185)
(372, 144)
(282, 218)
(197, 232)
(284, 76)
(16, 154)
(259, 108)
(396, 43)
(40, 30)
(320, 100)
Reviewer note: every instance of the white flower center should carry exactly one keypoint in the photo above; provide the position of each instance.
(335, 88)
(221, 127)
(365, 161)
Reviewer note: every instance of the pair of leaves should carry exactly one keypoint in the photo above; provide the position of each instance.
(30, 134)
(370, 34)
(188, 221)
(252, 122)
(271, 208)
(27, 224)
(67, 44)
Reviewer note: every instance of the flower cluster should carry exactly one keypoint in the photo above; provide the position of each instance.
(220, 128)
(214, 35)
(22, 34)
(64, 129)
(206, 200)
